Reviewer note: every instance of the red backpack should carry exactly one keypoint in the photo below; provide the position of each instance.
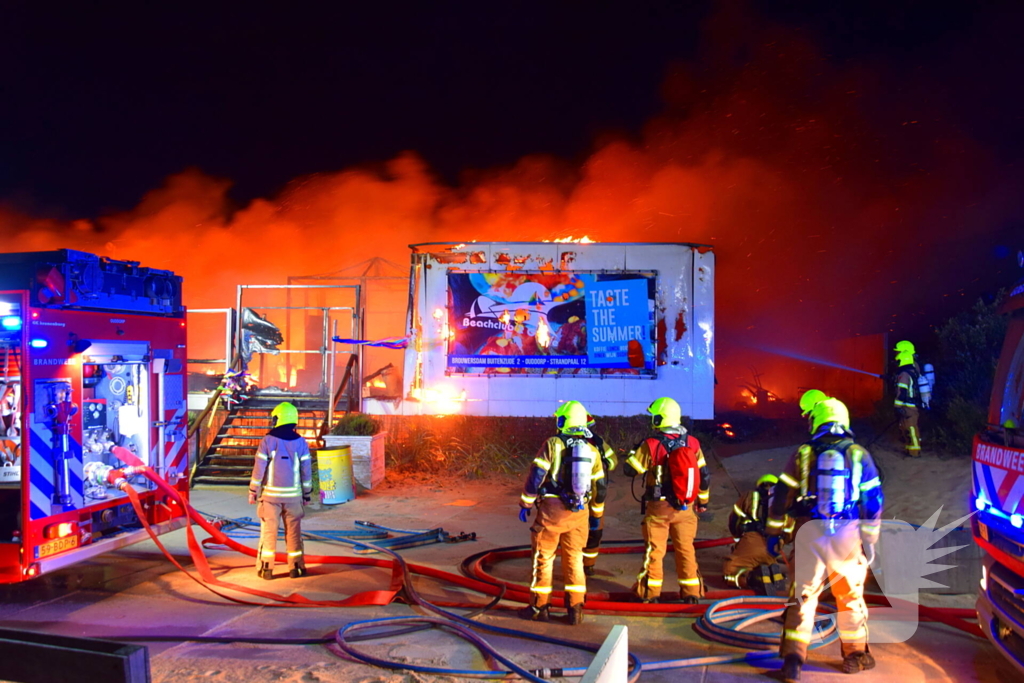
(682, 484)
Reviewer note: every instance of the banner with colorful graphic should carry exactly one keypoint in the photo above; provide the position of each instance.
(581, 323)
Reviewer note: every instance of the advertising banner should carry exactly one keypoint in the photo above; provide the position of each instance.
(543, 323)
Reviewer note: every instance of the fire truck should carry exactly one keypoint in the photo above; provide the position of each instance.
(92, 357)
(998, 489)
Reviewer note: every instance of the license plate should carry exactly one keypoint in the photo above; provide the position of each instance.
(56, 546)
(983, 530)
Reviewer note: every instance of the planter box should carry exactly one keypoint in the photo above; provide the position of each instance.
(367, 456)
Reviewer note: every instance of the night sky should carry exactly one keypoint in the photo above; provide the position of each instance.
(868, 150)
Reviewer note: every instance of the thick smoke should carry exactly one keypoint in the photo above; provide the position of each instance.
(837, 205)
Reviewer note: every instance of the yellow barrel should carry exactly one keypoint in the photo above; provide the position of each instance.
(335, 474)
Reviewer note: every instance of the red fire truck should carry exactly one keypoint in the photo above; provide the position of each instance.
(998, 478)
(92, 356)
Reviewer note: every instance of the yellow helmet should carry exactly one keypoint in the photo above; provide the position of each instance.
(811, 398)
(572, 416)
(665, 412)
(767, 480)
(904, 347)
(829, 410)
(286, 414)
(904, 358)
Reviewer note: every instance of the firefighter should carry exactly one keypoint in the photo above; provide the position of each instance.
(753, 562)
(809, 399)
(596, 518)
(282, 481)
(908, 401)
(832, 488)
(667, 510)
(565, 478)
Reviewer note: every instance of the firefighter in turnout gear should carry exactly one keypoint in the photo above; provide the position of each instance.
(809, 399)
(282, 480)
(832, 487)
(753, 562)
(565, 479)
(596, 519)
(676, 488)
(908, 402)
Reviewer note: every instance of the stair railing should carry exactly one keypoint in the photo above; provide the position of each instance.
(206, 415)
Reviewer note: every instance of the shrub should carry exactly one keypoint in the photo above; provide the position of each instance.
(475, 447)
(969, 347)
(356, 424)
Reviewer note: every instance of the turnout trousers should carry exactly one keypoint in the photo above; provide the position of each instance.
(836, 559)
(662, 522)
(749, 552)
(271, 515)
(911, 432)
(556, 525)
(593, 547)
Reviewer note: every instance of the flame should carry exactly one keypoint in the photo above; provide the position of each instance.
(543, 335)
(579, 240)
(438, 314)
(443, 400)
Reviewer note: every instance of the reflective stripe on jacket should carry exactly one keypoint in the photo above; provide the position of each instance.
(282, 471)
(545, 478)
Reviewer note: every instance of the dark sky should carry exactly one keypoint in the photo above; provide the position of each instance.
(101, 102)
(857, 165)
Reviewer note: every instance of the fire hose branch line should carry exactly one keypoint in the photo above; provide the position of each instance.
(737, 606)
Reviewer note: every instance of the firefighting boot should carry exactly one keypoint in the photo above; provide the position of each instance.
(689, 599)
(535, 613)
(778, 578)
(575, 614)
(856, 662)
(589, 570)
(297, 572)
(791, 667)
(266, 572)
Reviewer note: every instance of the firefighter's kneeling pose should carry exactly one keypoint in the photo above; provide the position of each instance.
(754, 560)
(831, 486)
(565, 477)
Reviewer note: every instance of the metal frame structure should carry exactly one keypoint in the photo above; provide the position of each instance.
(328, 350)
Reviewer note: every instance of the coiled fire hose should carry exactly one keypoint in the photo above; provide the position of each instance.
(734, 608)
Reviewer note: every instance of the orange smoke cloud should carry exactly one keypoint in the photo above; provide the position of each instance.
(811, 182)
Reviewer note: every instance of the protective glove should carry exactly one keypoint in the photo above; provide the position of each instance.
(252, 498)
(595, 523)
(774, 542)
(700, 509)
(307, 498)
(869, 553)
(524, 515)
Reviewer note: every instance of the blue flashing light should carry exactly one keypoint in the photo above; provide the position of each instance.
(39, 343)
(1017, 521)
(980, 503)
(11, 322)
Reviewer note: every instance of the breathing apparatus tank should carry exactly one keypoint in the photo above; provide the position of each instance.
(833, 478)
(925, 384)
(581, 468)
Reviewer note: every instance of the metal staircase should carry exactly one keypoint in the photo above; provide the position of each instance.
(229, 459)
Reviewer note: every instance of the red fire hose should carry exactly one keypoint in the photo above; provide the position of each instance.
(476, 579)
